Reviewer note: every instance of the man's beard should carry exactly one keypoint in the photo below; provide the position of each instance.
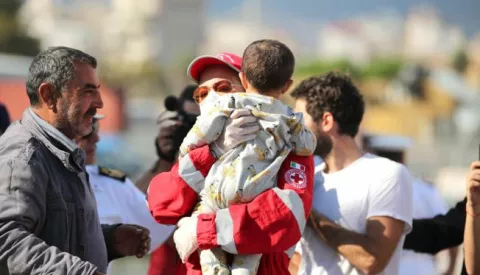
(67, 122)
(324, 144)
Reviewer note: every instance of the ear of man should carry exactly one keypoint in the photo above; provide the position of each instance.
(48, 96)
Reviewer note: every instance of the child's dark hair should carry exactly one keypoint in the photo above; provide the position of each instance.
(268, 64)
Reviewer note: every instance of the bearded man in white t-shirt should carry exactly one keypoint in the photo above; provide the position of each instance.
(362, 204)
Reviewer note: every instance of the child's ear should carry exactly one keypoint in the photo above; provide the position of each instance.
(243, 79)
(287, 86)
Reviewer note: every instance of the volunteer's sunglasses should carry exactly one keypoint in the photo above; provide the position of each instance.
(222, 86)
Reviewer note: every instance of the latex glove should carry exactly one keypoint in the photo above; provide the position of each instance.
(185, 237)
(240, 128)
(167, 123)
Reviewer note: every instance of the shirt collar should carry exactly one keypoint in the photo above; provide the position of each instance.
(72, 156)
(91, 169)
(53, 132)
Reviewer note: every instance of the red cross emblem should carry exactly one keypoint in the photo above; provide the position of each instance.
(296, 178)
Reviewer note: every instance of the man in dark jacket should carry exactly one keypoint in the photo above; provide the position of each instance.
(48, 218)
(4, 119)
(438, 233)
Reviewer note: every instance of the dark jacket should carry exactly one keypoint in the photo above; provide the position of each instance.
(48, 218)
(4, 119)
(438, 233)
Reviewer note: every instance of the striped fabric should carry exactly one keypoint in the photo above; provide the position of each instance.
(189, 173)
(293, 201)
(53, 132)
(224, 225)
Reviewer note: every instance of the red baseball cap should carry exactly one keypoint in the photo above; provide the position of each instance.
(200, 63)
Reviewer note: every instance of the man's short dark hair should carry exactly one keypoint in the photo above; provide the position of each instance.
(334, 93)
(55, 66)
(268, 64)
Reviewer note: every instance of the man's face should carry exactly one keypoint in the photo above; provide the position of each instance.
(89, 145)
(79, 103)
(214, 74)
(324, 142)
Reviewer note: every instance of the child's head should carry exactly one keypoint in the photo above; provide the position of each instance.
(267, 67)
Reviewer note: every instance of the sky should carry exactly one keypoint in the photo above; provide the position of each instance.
(464, 13)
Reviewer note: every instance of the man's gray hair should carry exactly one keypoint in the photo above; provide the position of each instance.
(55, 66)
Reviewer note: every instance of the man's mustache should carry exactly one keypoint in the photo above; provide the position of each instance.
(91, 112)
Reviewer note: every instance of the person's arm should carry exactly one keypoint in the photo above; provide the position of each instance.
(172, 195)
(273, 222)
(389, 216)
(294, 263)
(452, 258)
(472, 240)
(23, 190)
(296, 259)
(438, 233)
(370, 252)
(129, 242)
(108, 231)
(472, 221)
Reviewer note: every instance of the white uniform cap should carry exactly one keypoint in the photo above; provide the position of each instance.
(390, 143)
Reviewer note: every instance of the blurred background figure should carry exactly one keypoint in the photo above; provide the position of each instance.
(4, 119)
(119, 201)
(427, 203)
(173, 125)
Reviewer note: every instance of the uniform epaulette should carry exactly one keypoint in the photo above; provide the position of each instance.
(112, 173)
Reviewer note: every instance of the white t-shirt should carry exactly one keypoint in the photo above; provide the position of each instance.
(371, 186)
(427, 203)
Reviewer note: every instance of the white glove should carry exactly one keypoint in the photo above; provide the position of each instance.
(240, 128)
(185, 237)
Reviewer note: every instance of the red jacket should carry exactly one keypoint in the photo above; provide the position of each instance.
(271, 224)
